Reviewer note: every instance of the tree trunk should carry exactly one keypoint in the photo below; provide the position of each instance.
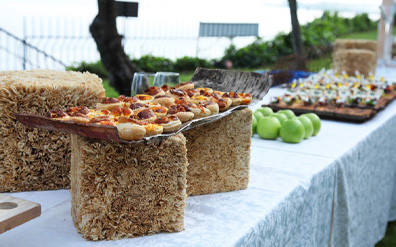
(298, 46)
(108, 41)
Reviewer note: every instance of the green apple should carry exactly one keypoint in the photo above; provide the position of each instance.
(280, 116)
(308, 126)
(258, 115)
(315, 121)
(289, 113)
(292, 131)
(266, 111)
(254, 124)
(268, 128)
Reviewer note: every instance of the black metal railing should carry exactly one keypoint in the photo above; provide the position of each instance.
(55, 43)
(27, 55)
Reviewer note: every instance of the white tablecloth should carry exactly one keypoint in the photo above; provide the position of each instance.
(336, 188)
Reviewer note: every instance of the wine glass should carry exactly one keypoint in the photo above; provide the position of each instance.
(141, 81)
(169, 78)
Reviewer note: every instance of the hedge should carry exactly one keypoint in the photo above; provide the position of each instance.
(317, 36)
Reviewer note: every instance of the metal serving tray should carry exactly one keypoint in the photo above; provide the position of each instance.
(222, 80)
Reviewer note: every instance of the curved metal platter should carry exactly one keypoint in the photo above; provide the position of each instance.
(222, 80)
(104, 132)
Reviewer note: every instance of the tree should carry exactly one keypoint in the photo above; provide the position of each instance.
(104, 31)
(297, 43)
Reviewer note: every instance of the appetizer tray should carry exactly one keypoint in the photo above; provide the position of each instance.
(341, 107)
(223, 80)
(356, 114)
(109, 133)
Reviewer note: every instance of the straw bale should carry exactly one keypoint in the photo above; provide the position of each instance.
(370, 45)
(32, 159)
(351, 60)
(355, 55)
(219, 154)
(128, 190)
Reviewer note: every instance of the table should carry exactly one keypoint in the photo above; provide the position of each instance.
(335, 189)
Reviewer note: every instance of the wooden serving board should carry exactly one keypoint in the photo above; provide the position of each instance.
(15, 211)
(350, 114)
(331, 112)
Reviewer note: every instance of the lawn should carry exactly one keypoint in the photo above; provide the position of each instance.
(390, 238)
(371, 35)
(110, 91)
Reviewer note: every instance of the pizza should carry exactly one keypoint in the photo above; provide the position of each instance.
(159, 110)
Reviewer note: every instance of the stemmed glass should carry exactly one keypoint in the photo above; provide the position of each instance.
(169, 78)
(141, 81)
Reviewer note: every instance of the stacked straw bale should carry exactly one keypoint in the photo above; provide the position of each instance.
(34, 159)
(355, 55)
(219, 154)
(356, 44)
(122, 190)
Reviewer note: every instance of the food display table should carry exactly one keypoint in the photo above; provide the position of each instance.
(334, 189)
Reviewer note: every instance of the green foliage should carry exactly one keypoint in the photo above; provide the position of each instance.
(323, 31)
(362, 23)
(94, 68)
(191, 63)
(151, 63)
(319, 32)
(281, 45)
(246, 56)
(317, 37)
(259, 52)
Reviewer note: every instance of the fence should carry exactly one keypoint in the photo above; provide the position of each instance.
(22, 54)
(55, 43)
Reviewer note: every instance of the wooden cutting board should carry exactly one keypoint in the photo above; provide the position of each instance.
(15, 211)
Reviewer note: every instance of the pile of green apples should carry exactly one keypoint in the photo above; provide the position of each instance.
(284, 123)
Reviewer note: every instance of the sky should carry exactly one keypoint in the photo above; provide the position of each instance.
(161, 21)
(270, 13)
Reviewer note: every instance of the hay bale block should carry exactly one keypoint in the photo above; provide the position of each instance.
(219, 154)
(355, 55)
(351, 60)
(33, 159)
(128, 190)
(363, 44)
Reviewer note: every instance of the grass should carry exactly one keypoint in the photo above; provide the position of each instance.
(186, 76)
(315, 65)
(371, 35)
(110, 91)
(390, 238)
